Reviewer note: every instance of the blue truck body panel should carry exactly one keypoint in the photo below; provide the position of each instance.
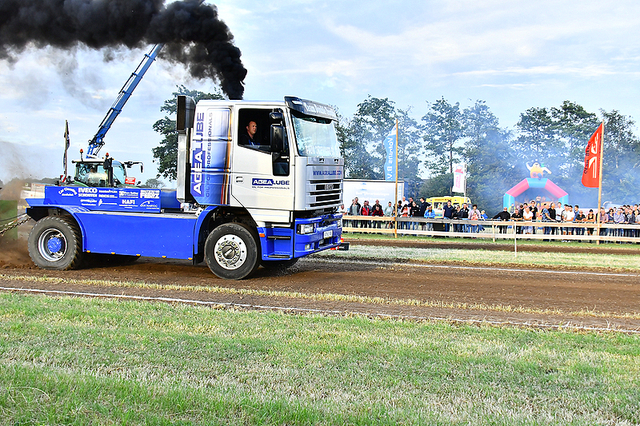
(110, 224)
(104, 199)
(139, 234)
(285, 243)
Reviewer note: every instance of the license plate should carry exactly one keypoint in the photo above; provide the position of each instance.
(327, 234)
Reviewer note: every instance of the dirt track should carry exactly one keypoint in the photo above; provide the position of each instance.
(500, 295)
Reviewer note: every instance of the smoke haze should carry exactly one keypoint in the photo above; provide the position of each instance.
(191, 31)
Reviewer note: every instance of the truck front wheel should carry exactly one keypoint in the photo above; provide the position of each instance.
(55, 243)
(231, 251)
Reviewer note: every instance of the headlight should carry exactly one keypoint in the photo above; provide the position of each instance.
(307, 228)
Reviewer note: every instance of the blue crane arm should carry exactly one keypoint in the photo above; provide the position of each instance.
(125, 93)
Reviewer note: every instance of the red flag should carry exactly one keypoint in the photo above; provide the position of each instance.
(593, 153)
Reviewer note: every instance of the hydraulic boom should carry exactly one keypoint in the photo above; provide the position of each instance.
(125, 93)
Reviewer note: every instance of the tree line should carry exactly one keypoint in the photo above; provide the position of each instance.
(496, 157)
(447, 134)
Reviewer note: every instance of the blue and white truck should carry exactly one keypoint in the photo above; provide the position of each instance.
(236, 206)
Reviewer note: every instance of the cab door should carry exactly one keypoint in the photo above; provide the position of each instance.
(261, 179)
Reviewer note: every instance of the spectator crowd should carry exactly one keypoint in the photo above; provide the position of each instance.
(554, 212)
(547, 213)
(411, 209)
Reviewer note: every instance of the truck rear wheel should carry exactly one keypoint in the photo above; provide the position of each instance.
(231, 251)
(55, 243)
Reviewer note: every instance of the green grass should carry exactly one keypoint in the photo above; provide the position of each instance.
(350, 236)
(92, 361)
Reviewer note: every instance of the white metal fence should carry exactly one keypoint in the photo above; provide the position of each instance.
(493, 229)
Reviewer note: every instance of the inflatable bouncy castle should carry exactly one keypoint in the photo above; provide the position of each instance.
(535, 186)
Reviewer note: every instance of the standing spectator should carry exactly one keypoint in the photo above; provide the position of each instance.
(342, 210)
(474, 214)
(474, 210)
(463, 214)
(414, 211)
(579, 218)
(610, 214)
(365, 211)
(527, 216)
(404, 212)
(603, 218)
(619, 219)
(552, 215)
(546, 217)
(423, 206)
(517, 216)
(430, 214)
(632, 219)
(504, 215)
(567, 217)
(389, 211)
(377, 204)
(423, 209)
(591, 218)
(534, 212)
(483, 216)
(447, 213)
(354, 210)
(377, 212)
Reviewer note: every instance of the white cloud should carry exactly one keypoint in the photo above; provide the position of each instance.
(514, 55)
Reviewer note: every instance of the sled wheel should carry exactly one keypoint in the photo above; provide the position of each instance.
(231, 251)
(55, 243)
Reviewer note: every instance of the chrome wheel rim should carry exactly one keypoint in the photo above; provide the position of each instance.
(52, 245)
(230, 252)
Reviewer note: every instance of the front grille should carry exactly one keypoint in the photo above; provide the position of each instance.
(324, 193)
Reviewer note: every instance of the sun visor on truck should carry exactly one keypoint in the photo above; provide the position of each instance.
(310, 108)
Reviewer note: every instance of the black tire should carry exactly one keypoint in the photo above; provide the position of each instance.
(55, 243)
(231, 251)
(279, 265)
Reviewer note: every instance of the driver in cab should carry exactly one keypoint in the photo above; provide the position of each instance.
(249, 138)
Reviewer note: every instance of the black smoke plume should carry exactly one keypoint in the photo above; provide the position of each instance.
(191, 31)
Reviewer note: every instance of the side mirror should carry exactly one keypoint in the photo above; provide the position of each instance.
(276, 137)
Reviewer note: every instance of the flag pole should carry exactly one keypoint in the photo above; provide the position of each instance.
(66, 148)
(600, 184)
(395, 205)
(465, 182)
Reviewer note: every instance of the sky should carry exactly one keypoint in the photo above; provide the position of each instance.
(513, 55)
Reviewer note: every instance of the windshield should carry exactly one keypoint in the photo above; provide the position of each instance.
(94, 174)
(315, 136)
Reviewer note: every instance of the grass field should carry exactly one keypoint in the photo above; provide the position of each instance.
(619, 262)
(522, 240)
(612, 261)
(93, 361)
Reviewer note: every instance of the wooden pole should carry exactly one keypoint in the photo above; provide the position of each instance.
(395, 205)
